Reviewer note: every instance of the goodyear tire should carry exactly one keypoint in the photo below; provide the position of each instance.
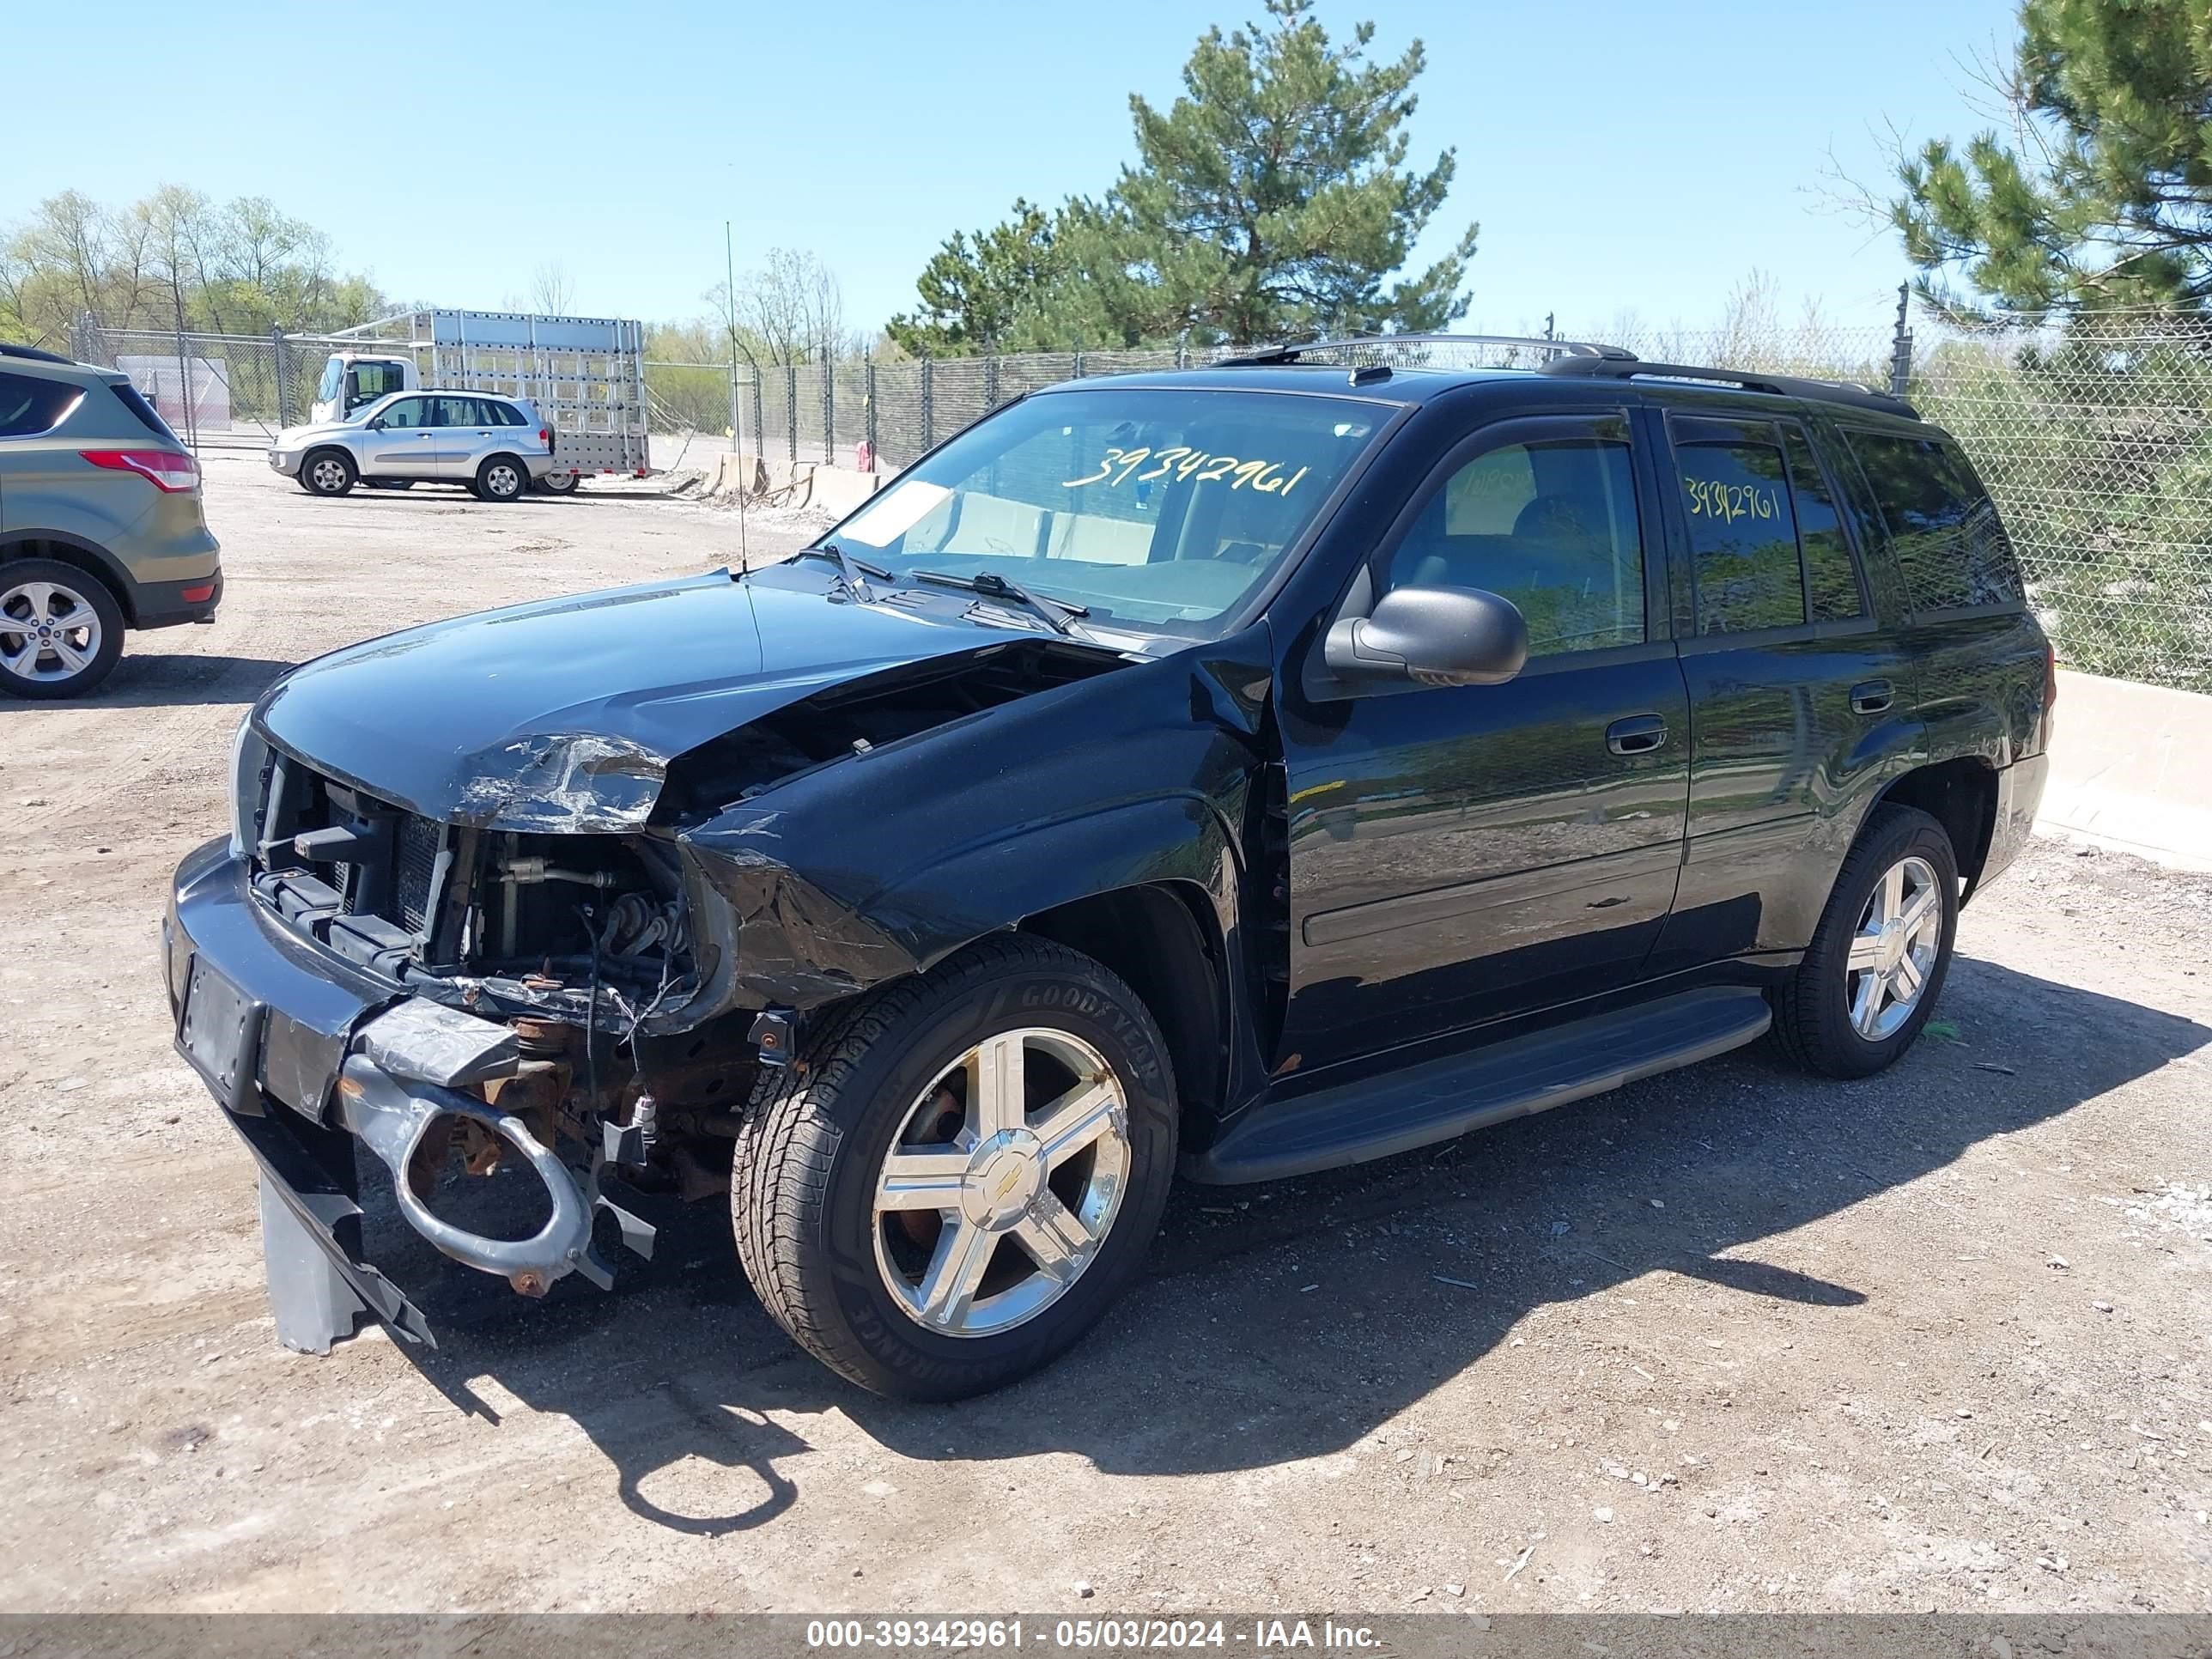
(958, 1173)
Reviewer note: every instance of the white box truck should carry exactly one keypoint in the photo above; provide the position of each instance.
(585, 376)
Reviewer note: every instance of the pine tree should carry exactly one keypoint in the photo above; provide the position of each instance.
(2104, 196)
(1272, 199)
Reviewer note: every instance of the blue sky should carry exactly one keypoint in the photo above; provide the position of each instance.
(1620, 156)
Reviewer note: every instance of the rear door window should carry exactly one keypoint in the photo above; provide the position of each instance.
(1950, 545)
(31, 403)
(1743, 527)
(1831, 575)
(1768, 547)
(458, 412)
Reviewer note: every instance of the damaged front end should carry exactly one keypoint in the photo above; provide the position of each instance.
(575, 962)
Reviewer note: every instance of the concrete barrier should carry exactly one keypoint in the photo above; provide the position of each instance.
(793, 484)
(2131, 768)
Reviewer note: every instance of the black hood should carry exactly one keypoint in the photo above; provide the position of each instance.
(564, 714)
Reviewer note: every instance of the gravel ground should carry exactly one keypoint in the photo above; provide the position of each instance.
(1727, 1339)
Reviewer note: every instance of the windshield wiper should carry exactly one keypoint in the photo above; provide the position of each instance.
(1058, 613)
(850, 569)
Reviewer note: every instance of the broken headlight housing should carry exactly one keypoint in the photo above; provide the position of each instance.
(249, 763)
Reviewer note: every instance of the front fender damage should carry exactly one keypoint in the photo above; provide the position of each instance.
(850, 872)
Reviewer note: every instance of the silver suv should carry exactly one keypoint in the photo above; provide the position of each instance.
(102, 527)
(495, 446)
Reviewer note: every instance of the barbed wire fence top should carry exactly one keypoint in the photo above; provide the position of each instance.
(2093, 430)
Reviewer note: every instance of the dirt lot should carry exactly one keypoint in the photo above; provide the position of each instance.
(1727, 1339)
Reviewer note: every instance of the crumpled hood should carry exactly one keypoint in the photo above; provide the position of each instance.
(563, 715)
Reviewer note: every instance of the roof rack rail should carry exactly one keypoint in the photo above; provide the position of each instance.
(1788, 385)
(9, 350)
(1578, 350)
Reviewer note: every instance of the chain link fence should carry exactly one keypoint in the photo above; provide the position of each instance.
(2094, 434)
(2093, 431)
(213, 389)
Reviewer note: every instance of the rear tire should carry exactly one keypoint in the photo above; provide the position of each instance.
(328, 472)
(61, 631)
(1880, 957)
(898, 1188)
(503, 478)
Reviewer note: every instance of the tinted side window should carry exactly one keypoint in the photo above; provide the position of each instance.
(505, 414)
(30, 404)
(1950, 545)
(457, 411)
(1830, 572)
(1743, 536)
(1552, 526)
(149, 417)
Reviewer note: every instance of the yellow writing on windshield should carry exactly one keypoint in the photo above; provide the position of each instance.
(1710, 499)
(1121, 465)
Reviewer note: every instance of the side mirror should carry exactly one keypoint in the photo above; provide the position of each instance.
(1430, 636)
(376, 424)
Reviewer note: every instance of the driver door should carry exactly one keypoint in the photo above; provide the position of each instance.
(399, 442)
(1460, 854)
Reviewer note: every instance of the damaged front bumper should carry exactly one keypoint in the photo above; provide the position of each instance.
(306, 1055)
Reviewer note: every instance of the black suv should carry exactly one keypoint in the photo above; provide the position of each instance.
(1240, 772)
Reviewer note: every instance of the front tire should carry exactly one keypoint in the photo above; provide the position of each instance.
(501, 478)
(328, 472)
(959, 1173)
(61, 632)
(1881, 952)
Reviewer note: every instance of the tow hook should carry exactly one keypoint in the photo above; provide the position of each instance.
(399, 1083)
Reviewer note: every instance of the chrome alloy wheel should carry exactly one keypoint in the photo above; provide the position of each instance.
(1003, 1182)
(504, 480)
(47, 633)
(328, 474)
(1894, 952)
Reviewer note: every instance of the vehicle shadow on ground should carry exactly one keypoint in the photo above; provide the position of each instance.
(147, 679)
(1286, 1321)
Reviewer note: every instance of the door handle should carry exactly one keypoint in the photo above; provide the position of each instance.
(1872, 697)
(1639, 734)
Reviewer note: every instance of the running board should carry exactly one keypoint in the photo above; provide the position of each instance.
(1441, 1098)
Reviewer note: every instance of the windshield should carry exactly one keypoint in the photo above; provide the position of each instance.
(1156, 509)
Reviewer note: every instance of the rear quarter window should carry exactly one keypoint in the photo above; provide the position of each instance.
(31, 404)
(1950, 545)
(149, 417)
